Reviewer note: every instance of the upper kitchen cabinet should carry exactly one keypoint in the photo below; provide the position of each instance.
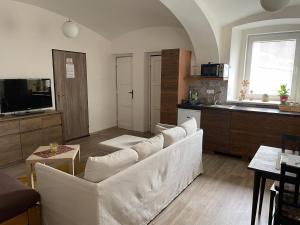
(175, 67)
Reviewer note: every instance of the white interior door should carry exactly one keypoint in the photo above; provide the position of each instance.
(124, 92)
(155, 85)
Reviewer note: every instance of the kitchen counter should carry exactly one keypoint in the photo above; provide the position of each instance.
(238, 108)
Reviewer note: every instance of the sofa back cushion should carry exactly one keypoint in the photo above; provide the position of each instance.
(149, 147)
(100, 168)
(190, 126)
(159, 127)
(173, 135)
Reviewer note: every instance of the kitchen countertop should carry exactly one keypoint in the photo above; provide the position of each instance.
(238, 108)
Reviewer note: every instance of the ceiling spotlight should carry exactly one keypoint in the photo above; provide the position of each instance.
(70, 29)
(273, 5)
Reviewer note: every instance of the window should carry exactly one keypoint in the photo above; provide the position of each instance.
(271, 60)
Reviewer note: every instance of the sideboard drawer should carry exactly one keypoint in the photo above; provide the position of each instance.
(10, 149)
(30, 141)
(30, 124)
(9, 127)
(50, 121)
(53, 134)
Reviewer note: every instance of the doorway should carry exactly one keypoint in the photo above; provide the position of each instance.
(125, 92)
(155, 90)
(70, 79)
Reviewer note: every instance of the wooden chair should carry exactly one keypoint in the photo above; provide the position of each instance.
(290, 139)
(288, 205)
(291, 142)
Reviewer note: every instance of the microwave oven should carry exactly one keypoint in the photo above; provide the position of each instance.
(215, 70)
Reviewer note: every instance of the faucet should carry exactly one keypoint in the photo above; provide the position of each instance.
(215, 99)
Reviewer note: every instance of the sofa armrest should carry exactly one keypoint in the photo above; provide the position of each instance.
(66, 199)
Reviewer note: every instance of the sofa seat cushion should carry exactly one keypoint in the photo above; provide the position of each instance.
(190, 126)
(173, 135)
(100, 168)
(15, 198)
(149, 147)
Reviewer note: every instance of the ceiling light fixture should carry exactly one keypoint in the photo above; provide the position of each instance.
(273, 5)
(70, 29)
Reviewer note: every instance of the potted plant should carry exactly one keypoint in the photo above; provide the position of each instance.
(283, 93)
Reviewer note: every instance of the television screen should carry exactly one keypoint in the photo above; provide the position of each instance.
(24, 94)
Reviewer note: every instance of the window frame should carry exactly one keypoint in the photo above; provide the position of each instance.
(273, 37)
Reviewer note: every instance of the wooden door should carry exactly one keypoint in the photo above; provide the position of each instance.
(125, 92)
(70, 77)
(155, 85)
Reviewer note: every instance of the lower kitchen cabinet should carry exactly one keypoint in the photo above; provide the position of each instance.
(216, 126)
(241, 133)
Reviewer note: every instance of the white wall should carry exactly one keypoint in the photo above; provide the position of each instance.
(139, 43)
(199, 26)
(291, 13)
(27, 36)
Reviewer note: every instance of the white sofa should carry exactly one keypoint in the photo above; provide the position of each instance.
(133, 196)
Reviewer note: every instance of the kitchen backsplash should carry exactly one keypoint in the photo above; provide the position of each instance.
(217, 85)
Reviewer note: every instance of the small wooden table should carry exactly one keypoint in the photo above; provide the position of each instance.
(68, 157)
(264, 166)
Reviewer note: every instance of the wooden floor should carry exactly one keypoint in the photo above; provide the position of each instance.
(221, 196)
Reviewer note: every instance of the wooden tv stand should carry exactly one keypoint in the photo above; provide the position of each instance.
(21, 135)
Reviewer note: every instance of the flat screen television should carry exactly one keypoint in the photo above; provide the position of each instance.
(24, 94)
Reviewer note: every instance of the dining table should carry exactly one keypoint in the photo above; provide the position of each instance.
(264, 164)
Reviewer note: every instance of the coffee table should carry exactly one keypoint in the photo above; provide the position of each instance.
(68, 157)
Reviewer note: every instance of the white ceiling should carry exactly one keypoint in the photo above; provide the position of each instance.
(111, 18)
(228, 11)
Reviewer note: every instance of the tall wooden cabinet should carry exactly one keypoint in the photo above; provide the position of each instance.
(175, 67)
(20, 136)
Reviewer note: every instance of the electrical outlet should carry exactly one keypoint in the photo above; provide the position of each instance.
(210, 91)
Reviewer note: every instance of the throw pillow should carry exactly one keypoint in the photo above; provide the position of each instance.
(190, 126)
(149, 147)
(100, 168)
(173, 135)
(159, 127)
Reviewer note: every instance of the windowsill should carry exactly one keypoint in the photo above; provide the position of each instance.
(255, 103)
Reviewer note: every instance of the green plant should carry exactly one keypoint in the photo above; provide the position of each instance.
(283, 91)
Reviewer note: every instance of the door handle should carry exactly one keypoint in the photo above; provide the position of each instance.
(131, 92)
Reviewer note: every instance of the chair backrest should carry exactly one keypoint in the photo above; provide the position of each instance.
(288, 139)
(290, 175)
